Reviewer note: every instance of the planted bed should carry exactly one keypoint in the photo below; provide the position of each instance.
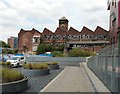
(53, 65)
(35, 69)
(12, 81)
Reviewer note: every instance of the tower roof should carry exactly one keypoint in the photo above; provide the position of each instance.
(63, 18)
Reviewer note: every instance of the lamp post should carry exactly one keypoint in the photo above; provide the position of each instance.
(2, 56)
(119, 58)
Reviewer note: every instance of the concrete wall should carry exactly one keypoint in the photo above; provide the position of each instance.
(66, 61)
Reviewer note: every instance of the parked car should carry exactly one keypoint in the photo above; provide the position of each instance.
(17, 61)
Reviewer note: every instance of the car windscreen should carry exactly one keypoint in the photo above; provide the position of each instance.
(14, 58)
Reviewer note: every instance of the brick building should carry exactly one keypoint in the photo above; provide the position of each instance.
(73, 34)
(86, 38)
(87, 34)
(47, 36)
(28, 40)
(60, 36)
(100, 34)
(13, 42)
(114, 7)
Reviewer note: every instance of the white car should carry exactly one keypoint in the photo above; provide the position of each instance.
(17, 61)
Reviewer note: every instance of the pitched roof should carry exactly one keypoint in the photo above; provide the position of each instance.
(73, 31)
(22, 31)
(100, 30)
(47, 32)
(60, 31)
(85, 30)
(34, 31)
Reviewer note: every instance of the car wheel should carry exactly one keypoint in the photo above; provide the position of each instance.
(18, 65)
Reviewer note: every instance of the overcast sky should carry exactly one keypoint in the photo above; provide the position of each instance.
(38, 14)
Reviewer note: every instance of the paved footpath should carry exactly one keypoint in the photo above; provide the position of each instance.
(76, 79)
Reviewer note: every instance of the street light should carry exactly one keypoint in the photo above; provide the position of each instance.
(1, 51)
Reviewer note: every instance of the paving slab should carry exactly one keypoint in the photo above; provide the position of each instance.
(72, 79)
(76, 79)
(96, 82)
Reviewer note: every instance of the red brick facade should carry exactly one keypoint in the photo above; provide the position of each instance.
(29, 39)
(114, 23)
(47, 36)
(11, 42)
(25, 40)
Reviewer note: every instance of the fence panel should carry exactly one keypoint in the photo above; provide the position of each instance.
(106, 66)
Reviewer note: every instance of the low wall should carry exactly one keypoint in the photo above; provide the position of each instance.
(69, 61)
(15, 87)
(35, 72)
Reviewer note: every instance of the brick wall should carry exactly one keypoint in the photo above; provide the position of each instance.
(11, 42)
(25, 42)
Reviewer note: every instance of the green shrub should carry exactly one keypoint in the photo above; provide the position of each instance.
(57, 54)
(39, 66)
(9, 75)
(77, 52)
(42, 48)
(27, 66)
(53, 63)
(2, 63)
(60, 47)
(36, 66)
(5, 63)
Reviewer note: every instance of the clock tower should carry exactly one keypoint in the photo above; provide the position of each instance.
(63, 23)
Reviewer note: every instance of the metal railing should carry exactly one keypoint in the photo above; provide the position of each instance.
(107, 67)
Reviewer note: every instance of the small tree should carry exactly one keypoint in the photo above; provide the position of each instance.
(41, 49)
(61, 47)
(15, 51)
(48, 48)
(4, 45)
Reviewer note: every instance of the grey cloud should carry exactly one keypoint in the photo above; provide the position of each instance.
(45, 13)
(95, 9)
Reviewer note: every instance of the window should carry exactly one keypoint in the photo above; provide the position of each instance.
(36, 40)
(112, 2)
(115, 3)
(114, 22)
(22, 58)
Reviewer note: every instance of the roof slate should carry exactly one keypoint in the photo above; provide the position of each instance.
(73, 31)
(47, 32)
(100, 30)
(34, 31)
(60, 31)
(85, 30)
(63, 18)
